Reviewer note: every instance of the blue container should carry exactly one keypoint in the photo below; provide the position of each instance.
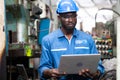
(43, 29)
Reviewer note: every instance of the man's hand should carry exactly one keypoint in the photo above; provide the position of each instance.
(51, 73)
(87, 74)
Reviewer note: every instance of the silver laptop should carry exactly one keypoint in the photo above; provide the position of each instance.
(71, 64)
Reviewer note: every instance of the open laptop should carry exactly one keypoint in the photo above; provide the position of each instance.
(71, 64)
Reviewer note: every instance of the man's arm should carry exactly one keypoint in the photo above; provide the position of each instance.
(46, 69)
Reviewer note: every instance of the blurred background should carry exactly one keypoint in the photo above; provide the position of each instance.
(26, 22)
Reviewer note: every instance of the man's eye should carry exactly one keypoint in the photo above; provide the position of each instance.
(66, 16)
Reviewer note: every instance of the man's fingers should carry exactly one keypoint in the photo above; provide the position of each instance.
(85, 73)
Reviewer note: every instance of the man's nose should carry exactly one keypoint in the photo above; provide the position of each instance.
(70, 19)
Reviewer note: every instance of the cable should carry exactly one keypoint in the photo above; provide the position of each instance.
(111, 10)
(109, 75)
(105, 9)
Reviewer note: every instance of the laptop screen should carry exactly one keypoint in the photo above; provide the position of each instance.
(72, 64)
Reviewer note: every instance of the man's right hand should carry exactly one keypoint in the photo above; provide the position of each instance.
(51, 73)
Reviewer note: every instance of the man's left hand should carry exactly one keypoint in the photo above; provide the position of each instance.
(87, 74)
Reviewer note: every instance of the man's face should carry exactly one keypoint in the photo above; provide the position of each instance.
(68, 20)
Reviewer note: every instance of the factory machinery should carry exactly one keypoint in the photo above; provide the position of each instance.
(24, 21)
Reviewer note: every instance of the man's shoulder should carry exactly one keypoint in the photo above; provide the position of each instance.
(83, 34)
(52, 34)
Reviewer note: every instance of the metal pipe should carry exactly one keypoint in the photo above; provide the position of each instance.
(22, 29)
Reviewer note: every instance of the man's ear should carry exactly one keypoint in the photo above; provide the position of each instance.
(59, 18)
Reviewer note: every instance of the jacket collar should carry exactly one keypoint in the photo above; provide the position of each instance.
(75, 33)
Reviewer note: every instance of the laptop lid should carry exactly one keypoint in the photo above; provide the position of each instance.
(71, 64)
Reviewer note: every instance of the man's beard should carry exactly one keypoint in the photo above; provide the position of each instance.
(69, 29)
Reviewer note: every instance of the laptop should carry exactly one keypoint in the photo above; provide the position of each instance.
(72, 63)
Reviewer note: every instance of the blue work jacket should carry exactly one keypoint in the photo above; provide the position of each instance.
(56, 44)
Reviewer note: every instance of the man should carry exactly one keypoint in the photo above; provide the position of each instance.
(67, 39)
